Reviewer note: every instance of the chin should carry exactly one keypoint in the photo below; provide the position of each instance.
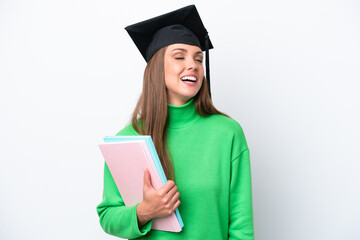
(190, 95)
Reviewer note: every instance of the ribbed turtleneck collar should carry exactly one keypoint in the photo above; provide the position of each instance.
(182, 116)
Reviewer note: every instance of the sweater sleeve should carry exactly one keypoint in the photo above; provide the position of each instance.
(241, 211)
(116, 218)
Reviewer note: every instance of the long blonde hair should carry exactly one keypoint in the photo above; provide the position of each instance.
(150, 116)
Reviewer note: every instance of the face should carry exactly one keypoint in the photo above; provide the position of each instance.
(183, 71)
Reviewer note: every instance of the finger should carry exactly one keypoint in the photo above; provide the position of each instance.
(176, 205)
(147, 178)
(166, 188)
(169, 195)
(172, 191)
(174, 199)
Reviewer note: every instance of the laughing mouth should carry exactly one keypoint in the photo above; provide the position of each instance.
(189, 78)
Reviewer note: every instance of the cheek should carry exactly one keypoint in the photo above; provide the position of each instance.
(175, 69)
(170, 77)
(172, 71)
(201, 72)
(201, 82)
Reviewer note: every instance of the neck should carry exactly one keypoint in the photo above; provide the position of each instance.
(182, 116)
(177, 101)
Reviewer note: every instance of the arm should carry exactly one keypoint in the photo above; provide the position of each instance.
(116, 218)
(241, 212)
(132, 222)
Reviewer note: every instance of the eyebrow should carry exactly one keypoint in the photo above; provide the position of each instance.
(184, 50)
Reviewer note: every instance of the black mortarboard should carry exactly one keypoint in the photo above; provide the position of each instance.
(180, 26)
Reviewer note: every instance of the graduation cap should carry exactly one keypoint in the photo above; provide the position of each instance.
(180, 26)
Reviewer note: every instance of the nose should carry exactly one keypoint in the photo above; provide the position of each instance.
(192, 64)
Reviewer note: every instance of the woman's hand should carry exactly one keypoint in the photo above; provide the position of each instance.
(156, 203)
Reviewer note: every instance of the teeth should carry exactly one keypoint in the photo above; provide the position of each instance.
(191, 78)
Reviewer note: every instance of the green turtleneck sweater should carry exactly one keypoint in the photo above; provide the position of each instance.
(212, 171)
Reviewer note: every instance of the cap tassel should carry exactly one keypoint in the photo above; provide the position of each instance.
(207, 43)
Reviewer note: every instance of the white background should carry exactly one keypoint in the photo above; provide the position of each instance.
(287, 71)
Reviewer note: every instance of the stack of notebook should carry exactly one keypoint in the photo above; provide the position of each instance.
(126, 157)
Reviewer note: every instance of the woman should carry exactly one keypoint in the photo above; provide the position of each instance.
(203, 151)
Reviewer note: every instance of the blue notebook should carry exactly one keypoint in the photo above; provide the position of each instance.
(154, 155)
